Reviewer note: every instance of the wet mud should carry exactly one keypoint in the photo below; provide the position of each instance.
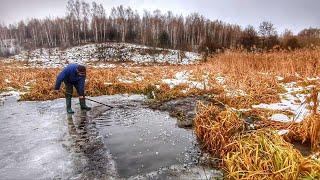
(184, 109)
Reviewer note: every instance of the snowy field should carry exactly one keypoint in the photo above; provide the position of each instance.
(101, 55)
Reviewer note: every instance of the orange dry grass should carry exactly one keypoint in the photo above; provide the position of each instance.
(263, 154)
(252, 73)
(307, 131)
(309, 168)
(2, 83)
(305, 62)
(103, 82)
(215, 127)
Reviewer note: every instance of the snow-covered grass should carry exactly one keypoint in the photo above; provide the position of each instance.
(100, 55)
(293, 100)
(183, 77)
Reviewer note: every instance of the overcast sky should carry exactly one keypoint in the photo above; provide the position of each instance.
(292, 14)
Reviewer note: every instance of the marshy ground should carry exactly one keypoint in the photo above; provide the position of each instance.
(270, 97)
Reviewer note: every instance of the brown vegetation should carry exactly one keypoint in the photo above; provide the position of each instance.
(249, 78)
(253, 74)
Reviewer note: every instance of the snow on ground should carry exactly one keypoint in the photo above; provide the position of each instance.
(10, 93)
(280, 117)
(183, 78)
(221, 80)
(293, 100)
(107, 52)
(229, 91)
(283, 132)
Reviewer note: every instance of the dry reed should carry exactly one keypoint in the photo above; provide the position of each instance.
(215, 127)
(263, 154)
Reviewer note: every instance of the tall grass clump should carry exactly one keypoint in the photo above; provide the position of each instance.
(262, 154)
(255, 154)
(215, 128)
(307, 131)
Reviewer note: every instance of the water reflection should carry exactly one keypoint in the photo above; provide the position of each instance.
(87, 143)
(78, 131)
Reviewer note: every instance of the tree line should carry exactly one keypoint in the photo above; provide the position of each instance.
(89, 23)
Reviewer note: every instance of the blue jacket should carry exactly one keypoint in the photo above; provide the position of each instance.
(69, 75)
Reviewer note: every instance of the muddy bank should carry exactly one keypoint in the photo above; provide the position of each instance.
(184, 109)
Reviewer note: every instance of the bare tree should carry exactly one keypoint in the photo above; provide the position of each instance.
(84, 23)
(85, 20)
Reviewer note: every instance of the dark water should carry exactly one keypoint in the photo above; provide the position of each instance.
(305, 149)
(142, 140)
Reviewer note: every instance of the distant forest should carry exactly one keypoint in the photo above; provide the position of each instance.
(88, 23)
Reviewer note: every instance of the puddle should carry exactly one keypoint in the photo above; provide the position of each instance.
(184, 109)
(305, 149)
(142, 140)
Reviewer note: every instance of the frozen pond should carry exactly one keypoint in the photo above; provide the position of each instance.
(32, 134)
(40, 141)
(142, 140)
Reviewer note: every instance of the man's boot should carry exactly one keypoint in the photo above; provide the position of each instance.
(83, 104)
(68, 103)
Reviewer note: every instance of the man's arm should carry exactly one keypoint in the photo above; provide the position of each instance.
(59, 80)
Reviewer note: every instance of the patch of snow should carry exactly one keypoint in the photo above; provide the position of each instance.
(125, 81)
(7, 81)
(139, 78)
(221, 80)
(129, 80)
(104, 66)
(236, 93)
(294, 103)
(313, 78)
(13, 93)
(316, 156)
(183, 78)
(280, 118)
(108, 83)
(172, 82)
(283, 132)
(279, 78)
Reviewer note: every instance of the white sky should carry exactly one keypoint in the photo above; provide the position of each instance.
(292, 14)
